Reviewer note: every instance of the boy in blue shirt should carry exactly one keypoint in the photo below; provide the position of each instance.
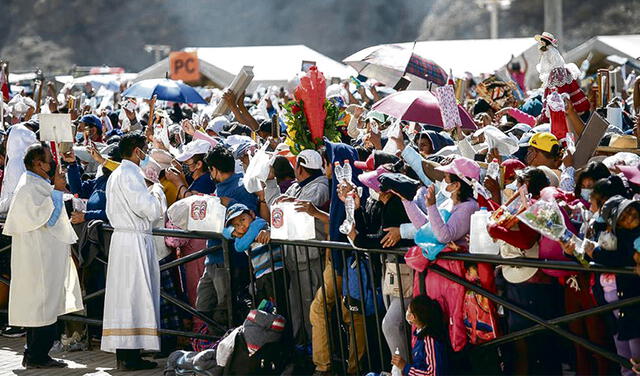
(252, 235)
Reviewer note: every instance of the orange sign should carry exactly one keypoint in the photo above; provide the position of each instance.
(184, 66)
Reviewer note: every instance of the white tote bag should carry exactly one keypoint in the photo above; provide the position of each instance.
(288, 224)
(206, 213)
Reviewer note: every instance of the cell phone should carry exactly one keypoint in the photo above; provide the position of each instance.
(403, 84)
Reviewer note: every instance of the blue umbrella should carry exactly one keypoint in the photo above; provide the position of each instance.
(166, 90)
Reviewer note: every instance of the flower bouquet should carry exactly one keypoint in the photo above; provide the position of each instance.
(546, 218)
(310, 117)
(507, 214)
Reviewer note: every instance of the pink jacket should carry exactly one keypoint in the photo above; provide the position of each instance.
(447, 293)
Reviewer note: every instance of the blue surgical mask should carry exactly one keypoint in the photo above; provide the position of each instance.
(585, 193)
(636, 244)
(144, 162)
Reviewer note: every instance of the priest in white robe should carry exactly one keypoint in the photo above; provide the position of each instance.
(44, 280)
(132, 296)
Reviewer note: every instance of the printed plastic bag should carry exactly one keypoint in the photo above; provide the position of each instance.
(198, 213)
(287, 223)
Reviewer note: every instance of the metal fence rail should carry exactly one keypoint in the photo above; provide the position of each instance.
(349, 333)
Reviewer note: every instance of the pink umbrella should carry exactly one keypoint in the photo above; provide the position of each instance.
(420, 106)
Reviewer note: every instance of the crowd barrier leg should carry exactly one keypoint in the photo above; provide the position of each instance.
(312, 290)
(228, 283)
(375, 288)
(405, 328)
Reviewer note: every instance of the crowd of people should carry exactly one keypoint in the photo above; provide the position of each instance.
(377, 182)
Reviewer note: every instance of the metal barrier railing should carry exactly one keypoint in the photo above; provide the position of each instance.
(346, 323)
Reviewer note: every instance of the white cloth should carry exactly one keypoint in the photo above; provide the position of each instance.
(44, 281)
(132, 296)
(20, 138)
(225, 347)
(162, 250)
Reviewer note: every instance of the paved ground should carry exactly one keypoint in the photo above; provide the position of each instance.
(95, 362)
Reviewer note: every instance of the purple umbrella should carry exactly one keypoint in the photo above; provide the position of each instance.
(419, 106)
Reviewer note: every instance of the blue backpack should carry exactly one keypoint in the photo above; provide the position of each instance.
(351, 285)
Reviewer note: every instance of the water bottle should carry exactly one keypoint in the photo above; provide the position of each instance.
(349, 208)
(395, 371)
(347, 171)
(338, 172)
(493, 170)
(480, 240)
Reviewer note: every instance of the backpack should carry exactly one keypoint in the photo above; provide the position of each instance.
(478, 318)
(270, 359)
(352, 285)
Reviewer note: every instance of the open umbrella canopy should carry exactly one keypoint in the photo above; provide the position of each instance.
(166, 90)
(388, 63)
(420, 106)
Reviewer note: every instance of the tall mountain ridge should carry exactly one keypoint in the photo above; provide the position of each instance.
(56, 34)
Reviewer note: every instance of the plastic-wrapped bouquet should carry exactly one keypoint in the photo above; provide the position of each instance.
(507, 214)
(546, 218)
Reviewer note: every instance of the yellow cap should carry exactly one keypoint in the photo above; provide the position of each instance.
(543, 141)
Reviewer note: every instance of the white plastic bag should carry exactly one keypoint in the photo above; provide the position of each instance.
(258, 170)
(198, 213)
(206, 213)
(394, 131)
(287, 223)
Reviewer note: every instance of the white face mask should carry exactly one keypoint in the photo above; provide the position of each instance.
(406, 317)
(442, 188)
(512, 186)
(585, 193)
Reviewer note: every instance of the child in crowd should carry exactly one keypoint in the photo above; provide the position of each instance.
(252, 235)
(430, 345)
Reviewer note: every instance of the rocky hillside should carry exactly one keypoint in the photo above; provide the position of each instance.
(55, 34)
(463, 19)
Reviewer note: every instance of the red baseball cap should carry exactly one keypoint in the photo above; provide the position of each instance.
(511, 166)
(367, 165)
(376, 159)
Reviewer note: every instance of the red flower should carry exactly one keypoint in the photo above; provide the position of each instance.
(312, 92)
(295, 109)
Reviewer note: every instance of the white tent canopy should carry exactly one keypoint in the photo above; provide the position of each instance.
(601, 46)
(477, 56)
(272, 65)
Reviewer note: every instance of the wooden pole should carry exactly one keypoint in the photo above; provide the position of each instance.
(603, 87)
(39, 97)
(150, 125)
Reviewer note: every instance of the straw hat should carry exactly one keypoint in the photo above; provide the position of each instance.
(548, 38)
(517, 274)
(619, 141)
